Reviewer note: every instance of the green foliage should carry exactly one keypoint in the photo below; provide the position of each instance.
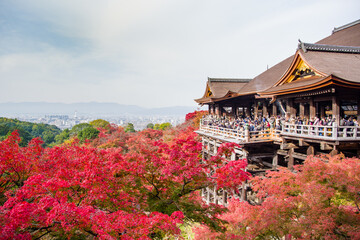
(88, 133)
(78, 127)
(28, 131)
(130, 128)
(162, 126)
(64, 135)
(100, 123)
(150, 125)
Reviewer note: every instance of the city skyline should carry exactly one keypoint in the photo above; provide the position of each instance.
(149, 53)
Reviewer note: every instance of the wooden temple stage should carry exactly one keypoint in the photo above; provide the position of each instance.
(320, 81)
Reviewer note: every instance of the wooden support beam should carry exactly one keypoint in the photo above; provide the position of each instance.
(288, 146)
(274, 109)
(291, 159)
(208, 195)
(312, 109)
(247, 111)
(217, 110)
(288, 108)
(299, 156)
(256, 110)
(215, 195)
(302, 143)
(325, 146)
(264, 108)
(334, 152)
(282, 152)
(358, 109)
(243, 192)
(301, 110)
(292, 109)
(336, 109)
(310, 151)
(275, 161)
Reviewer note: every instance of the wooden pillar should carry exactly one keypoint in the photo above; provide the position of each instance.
(275, 161)
(217, 110)
(312, 109)
(322, 110)
(291, 159)
(224, 197)
(233, 156)
(310, 151)
(274, 109)
(212, 109)
(247, 111)
(215, 147)
(243, 192)
(336, 109)
(264, 109)
(301, 110)
(289, 106)
(358, 109)
(234, 110)
(292, 109)
(256, 110)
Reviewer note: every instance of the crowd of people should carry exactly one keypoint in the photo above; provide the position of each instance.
(238, 123)
(277, 122)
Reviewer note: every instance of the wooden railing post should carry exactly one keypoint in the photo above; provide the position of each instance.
(335, 129)
(247, 133)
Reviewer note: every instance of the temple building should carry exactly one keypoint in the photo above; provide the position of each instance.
(308, 104)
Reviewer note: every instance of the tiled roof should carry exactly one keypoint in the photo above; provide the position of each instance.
(236, 80)
(220, 87)
(336, 55)
(346, 37)
(328, 48)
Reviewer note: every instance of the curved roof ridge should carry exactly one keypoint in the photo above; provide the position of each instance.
(327, 48)
(346, 26)
(241, 80)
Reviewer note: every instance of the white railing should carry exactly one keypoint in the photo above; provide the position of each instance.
(338, 133)
(240, 134)
(333, 133)
(226, 132)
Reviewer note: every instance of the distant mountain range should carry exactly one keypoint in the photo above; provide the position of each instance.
(90, 109)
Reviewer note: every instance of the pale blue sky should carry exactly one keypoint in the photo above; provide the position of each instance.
(150, 53)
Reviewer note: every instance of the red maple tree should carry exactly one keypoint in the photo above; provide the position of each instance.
(133, 186)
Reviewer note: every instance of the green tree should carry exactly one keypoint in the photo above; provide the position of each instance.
(165, 126)
(28, 131)
(130, 128)
(150, 125)
(162, 126)
(64, 135)
(78, 127)
(88, 133)
(48, 137)
(100, 123)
